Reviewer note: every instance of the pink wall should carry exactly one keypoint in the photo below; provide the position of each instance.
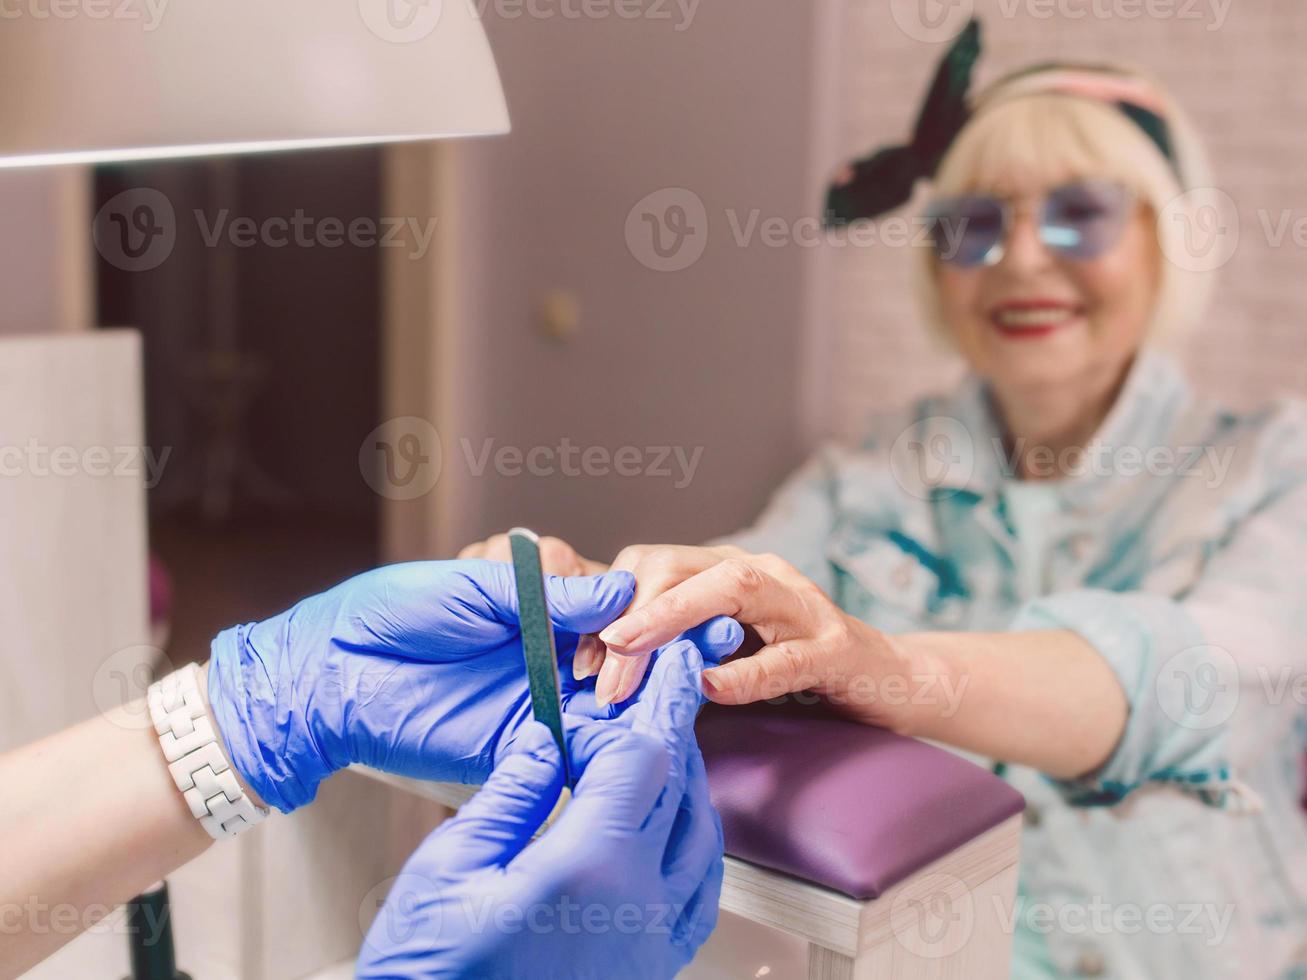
(29, 261)
(606, 111)
(1236, 68)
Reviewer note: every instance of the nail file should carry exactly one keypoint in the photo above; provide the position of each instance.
(538, 637)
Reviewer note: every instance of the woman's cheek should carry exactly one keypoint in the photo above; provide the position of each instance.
(1120, 300)
(959, 307)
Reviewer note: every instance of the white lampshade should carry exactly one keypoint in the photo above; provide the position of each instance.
(85, 81)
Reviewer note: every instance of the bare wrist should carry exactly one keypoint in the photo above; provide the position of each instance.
(939, 685)
(882, 681)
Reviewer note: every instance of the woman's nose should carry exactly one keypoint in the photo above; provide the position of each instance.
(1025, 250)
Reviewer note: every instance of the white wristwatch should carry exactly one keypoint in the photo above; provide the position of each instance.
(195, 757)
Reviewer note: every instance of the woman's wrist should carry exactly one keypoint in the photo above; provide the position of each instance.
(884, 680)
(936, 685)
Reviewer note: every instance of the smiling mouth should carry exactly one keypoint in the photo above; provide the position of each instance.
(1029, 321)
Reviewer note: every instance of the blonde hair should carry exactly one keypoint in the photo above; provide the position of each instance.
(1053, 136)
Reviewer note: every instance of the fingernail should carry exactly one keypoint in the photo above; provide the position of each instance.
(622, 632)
(606, 687)
(630, 672)
(710, 687)
(585, 662)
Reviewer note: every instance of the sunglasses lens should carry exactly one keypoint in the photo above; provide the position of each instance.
(965, 230)
(1085, 219)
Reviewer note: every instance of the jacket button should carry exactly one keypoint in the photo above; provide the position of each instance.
(902, 575)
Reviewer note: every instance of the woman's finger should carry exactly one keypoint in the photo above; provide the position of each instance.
(618, 677)
(588, 658)
(557, 557)
(657, 569)
(772, 672)
(494, 548)
(734, 587)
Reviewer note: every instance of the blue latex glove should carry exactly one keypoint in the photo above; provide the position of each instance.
(414, 668)
(624, 884)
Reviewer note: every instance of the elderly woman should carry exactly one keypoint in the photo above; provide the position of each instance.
(1072, 566)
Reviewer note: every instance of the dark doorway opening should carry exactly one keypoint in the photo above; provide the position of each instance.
(260, 314)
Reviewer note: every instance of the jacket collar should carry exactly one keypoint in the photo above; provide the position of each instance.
(962, 437)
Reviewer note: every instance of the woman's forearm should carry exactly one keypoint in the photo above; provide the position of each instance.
(1045, 699)
(89, 818)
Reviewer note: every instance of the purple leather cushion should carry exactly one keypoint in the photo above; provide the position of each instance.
(847, 806)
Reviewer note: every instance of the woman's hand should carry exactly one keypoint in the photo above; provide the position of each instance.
(657, 568)
(557, 557)
(808, 643)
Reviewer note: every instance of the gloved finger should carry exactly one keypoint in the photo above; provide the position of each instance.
(495, 825)
(695, 841)
(667, 712)
(580, 604)
(716, 639)
(579, 700)
(622, 776)
(586, 603)
(699, 916)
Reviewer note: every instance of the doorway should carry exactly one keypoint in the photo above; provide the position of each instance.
(259, 304)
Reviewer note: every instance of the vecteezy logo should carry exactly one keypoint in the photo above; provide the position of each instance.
(1199, 229)
(136, 230)
(930, 453)
(401, 459)
(932, 21)
(667, 231)
(397, 909)
(121, 681)
(401, 21)
(1198, 687)
(933, 917)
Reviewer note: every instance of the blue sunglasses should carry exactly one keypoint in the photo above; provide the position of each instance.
(1080, 220)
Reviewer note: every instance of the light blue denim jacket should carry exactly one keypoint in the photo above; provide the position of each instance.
(1179, 551)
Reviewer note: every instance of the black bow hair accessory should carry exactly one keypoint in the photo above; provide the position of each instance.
(884, 180)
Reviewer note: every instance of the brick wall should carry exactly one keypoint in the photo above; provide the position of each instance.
(1237, 67)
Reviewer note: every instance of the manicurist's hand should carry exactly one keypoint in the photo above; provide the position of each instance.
(414, 668)
(624, 884)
